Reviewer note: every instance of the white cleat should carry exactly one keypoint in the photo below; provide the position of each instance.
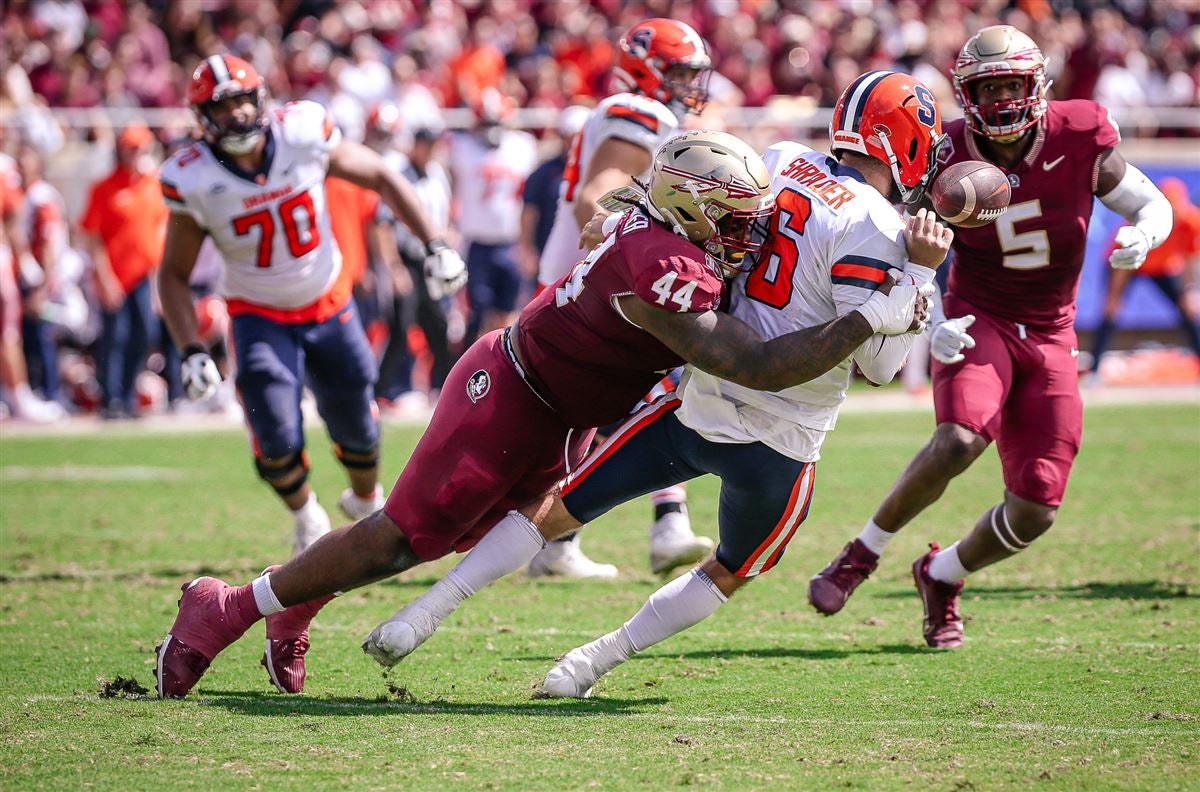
(566, 559)
(573, 677)
(357, 508)
(672, 543)
(399, 636)
(311, 524)
(578, 670)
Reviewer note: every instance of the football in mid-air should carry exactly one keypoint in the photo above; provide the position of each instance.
(970, 194)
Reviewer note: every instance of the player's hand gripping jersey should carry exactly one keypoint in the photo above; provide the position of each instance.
(589, 362)
(834, 239)
(635, 119)
(272, 230)
(1025, 266)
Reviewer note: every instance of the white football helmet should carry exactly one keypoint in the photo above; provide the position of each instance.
(714, 190)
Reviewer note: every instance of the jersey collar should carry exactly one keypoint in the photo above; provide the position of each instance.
(257, 176)
(838, 169)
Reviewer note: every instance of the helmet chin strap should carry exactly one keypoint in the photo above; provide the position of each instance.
(898, 189)
(241, 145)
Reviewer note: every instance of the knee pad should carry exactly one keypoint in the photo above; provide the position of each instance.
(357, 460)
(288, 476)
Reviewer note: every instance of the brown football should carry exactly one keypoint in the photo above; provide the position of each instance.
(971, 194)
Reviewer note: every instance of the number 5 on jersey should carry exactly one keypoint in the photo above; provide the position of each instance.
(299, 243)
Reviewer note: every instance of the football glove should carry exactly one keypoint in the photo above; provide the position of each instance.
(949, 339)
(1132, 247)
(893, 313)
(200, 375)
(445, 271)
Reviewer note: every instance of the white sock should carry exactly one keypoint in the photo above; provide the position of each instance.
(875, 538)
(946, 565)
(309, 508)
(510, 545)
(264, 596)
(676, 606)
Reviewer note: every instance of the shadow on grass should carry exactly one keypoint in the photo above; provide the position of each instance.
(273, 705)
(768, 653)
(1128, 589)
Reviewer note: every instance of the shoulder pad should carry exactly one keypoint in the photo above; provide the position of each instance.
(307, 124)
(669, 272)
(779, 155)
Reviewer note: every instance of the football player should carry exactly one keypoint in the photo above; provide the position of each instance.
(255, 184)
(835, 237)
(488, 166)
(1013, 378)
(519, 408)
(661, 74)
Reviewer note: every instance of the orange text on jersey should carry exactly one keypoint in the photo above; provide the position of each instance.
(819, 184)
(262, 198)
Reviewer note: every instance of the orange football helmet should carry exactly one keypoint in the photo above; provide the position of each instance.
(667, 61)
(892, 117)
(1001, 51)
(220, 77)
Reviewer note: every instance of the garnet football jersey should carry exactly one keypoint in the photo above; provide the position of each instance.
(635, 119)
(1025, 266)
(273, 231)
(590, 362)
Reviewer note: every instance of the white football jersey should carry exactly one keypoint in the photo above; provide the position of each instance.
(838, 238)
(273, 231)
(488, 183)
(633, 118)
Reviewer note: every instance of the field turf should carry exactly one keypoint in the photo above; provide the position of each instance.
(1081, 668)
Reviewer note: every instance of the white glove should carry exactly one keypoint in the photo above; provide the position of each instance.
(892, 313)
(199, 373)
(949, 339)
(445, 271)
(1132, 247)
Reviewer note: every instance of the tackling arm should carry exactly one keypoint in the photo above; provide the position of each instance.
(729, 348)
(1126, 190)
(613, 165)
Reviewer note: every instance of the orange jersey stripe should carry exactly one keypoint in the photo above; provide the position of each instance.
(844, 270)
(647, 120)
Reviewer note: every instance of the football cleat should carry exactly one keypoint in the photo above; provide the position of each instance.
(287, 643)
(578, 670)
(672, 543)
(399, 636)
(566, 559)
(207, 622)
(357, 508)
(943, 625)
(832, 586)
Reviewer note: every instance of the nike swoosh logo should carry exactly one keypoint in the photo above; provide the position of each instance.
(1050, 165)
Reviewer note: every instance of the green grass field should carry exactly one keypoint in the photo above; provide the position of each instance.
(1081, 668)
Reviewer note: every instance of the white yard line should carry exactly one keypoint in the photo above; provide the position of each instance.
(69, 472)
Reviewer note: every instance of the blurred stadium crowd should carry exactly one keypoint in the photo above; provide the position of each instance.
(426, 59)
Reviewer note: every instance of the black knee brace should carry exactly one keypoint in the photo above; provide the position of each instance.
(359, 460)
(275, 474)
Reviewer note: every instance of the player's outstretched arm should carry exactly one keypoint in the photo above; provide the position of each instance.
(729, 348)
(362, 166)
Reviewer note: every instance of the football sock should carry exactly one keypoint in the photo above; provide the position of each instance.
(264, 596)
(676, 606)
(311, 510)
(946, 565)
(510, 545)
(875, 538)
(504, 549)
